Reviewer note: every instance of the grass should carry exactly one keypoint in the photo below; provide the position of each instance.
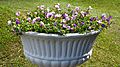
(106, 48)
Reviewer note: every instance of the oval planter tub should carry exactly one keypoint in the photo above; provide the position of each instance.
(52, 50)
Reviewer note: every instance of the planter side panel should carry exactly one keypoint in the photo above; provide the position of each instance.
(58, 52)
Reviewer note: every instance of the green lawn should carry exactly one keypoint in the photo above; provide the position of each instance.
(107, 46)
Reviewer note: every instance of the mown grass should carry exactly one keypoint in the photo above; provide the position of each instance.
(106, 50)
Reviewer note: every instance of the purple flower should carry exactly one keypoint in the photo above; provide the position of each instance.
(72, 29)
(103, 25)
(41, 7)
(91, 19)
(97, 18)
(82, 23)
(41, 23)
(17, 21)
(37, 18)
(49, 15)
(74, 25)
(29, 18)
(64, 15)
(68, 27)
(55, 23)
(103, 17)
(108, 19)
(76, 13)
(73, 17)
(18, 13)
(34, 20)
(77, 8)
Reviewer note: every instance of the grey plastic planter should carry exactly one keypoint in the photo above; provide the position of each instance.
(51, 50)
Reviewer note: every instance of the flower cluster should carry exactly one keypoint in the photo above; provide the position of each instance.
(59, 20)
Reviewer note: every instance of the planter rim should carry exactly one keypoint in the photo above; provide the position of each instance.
(66, 35)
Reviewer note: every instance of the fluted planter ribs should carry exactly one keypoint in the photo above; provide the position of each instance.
(50, 50)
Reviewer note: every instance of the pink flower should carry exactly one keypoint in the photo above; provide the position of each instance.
(18, 13)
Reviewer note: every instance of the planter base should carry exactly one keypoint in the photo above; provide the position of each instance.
(48, 50)
(62, 62)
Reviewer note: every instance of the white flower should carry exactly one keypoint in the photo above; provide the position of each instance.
(35, 13)
(68, 5)
(82, 12)
(9, 22)
(67, 18)
(57, 6)
(58, 15)
(48, 10)
(100, 21)
(53, 12)
(63, 20)
(41, 7)
(90, 8)
(28, 13)
(59, 9)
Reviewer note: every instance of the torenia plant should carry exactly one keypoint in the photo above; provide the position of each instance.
(58, 20)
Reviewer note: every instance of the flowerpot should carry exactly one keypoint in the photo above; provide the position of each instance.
(51, 50)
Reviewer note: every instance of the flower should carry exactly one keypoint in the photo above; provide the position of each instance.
(103, 16)
(55, 23)
(58, 15)
(41, 7)
(17, 21)
(57, 20)
(64, 15)
(63, 20)
(108, 19)
(9, 22)
(99, 21)
(18, 13)
(73, 17)
(77, 8)
(90, 8)
(83, 13)
(35, 13)
(57, 6)
(67, 18)
(64, 26)
(82, 23)
(103, 25)
(49, 14)
(29, 18)
(68, 27)
(34, 20)
(74, 25)
(41, 23)
(37, 18)
(68, 5)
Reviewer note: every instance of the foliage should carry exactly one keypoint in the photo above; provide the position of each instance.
(58, 20)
